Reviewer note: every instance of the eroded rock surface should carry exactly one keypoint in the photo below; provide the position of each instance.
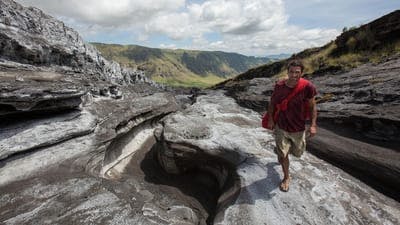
(57, 162)
(75, 129)
(81, 142)
(362, 104)
(31, 91)
(366, 97)
(319, 192)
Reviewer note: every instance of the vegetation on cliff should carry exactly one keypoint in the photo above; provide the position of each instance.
(373, 42)
(181, 67)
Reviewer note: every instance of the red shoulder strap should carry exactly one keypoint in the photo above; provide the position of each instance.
(299, 87)
(281, 82)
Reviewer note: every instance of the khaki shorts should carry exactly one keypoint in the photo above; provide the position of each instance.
(294, 143)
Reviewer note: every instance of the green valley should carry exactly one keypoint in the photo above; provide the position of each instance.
(188, 68)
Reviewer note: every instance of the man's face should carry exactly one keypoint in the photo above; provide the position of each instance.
(294, 73)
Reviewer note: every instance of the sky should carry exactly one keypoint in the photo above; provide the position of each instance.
(249, 27)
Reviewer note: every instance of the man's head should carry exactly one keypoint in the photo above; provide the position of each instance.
(295, 63)
(295, 70)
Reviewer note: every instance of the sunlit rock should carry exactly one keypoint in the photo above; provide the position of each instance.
(319, 193)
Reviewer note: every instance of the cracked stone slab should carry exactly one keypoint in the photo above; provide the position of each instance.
(27, 135)
(218, 126)
(22, 92)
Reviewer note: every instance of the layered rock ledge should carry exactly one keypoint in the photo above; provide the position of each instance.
(220, 163)
(61, 168)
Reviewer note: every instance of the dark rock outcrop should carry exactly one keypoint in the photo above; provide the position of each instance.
(374, 35)
(30, 91)
(28, 36)
(366, 99)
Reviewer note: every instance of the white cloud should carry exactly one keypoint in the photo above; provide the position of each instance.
(169, 46)
(175, 25)
(107, 13)
(252, 27)
(238, 16)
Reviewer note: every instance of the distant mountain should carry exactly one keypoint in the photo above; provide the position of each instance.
(181, 67)
(278, 56)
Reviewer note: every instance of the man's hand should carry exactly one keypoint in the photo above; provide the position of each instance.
(312, 130)
(271, 123)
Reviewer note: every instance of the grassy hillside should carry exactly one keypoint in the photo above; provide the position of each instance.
(181, 67)
(373, 42)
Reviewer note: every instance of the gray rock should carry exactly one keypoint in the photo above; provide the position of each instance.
(320, 193)
(81, 142)
(362, 104)
(28, 36)
(58, 168)
(29, 135)
(368, 94)
(37, 92)
(75, 130)
(218, 126)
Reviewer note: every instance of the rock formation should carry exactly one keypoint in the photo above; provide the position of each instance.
(361, 106)
(215, 126)
(84, 141)
(28, 36)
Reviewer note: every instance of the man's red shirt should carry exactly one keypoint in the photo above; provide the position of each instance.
(293, 119)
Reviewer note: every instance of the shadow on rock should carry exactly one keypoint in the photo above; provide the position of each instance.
(201, 185)
(263, 188)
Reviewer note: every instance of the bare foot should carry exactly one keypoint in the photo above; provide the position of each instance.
(285, 185)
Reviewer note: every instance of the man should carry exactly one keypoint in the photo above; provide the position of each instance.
(290, 125)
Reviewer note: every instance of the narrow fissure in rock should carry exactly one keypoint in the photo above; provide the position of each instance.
(205, 178)
(205, 184)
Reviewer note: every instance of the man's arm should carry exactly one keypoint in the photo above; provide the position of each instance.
(313, 110)
(270, 112)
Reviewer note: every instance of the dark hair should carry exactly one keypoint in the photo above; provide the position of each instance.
(295, 62)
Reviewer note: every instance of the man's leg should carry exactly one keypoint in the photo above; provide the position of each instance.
(282, 149)
(284, 161)
(297, 143)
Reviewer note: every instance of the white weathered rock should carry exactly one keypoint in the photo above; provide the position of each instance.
(54, 175)
(44, 160)
(28, 135)
(319, 193)
(219, 127)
